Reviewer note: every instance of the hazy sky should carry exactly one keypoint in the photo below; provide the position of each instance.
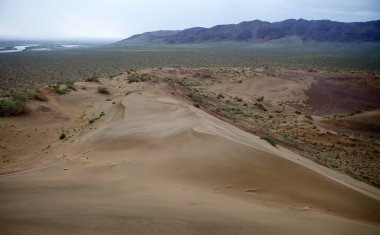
(59, 19)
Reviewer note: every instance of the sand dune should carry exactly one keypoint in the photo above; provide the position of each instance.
(155, 164)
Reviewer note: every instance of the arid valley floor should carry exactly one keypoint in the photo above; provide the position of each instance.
(195, 151)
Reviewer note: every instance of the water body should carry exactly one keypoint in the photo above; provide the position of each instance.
(14, 49)
(40, 47)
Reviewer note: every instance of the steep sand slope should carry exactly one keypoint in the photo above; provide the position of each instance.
(156, 165)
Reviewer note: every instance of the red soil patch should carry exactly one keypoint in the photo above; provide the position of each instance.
(340, 95)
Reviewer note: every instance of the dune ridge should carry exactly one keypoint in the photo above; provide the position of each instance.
(155, 164)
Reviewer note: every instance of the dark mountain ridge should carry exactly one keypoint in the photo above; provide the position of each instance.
(262, 31)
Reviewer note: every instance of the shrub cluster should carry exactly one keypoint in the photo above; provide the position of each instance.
(63, 88)
(92, 79)
(103, 90)
(12, 107)
(92, 120)
(136, 77)
(15, 103)
(270, 140)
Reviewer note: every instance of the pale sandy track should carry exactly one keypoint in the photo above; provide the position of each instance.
(156, 165)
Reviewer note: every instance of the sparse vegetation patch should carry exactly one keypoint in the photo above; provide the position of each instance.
(136, 77)
(11, 107)
(15, 103)
(270, 140)
(63, 88)
(92, 79)
(93, 120)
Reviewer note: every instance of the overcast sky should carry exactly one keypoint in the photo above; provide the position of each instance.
(116, 19)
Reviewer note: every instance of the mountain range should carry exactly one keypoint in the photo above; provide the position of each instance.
(262, 31)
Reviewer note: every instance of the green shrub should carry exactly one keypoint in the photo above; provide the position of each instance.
(63, 88)
(145, 77)
(59, 89)
(220, 96)
(92, 79)
(135, 77)
(93, 120)
(62, 136)
(270, 140)
(70, 85)
(230, 112)
(12, 107)
(103, 90)
(196, 97)
(14, 103)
